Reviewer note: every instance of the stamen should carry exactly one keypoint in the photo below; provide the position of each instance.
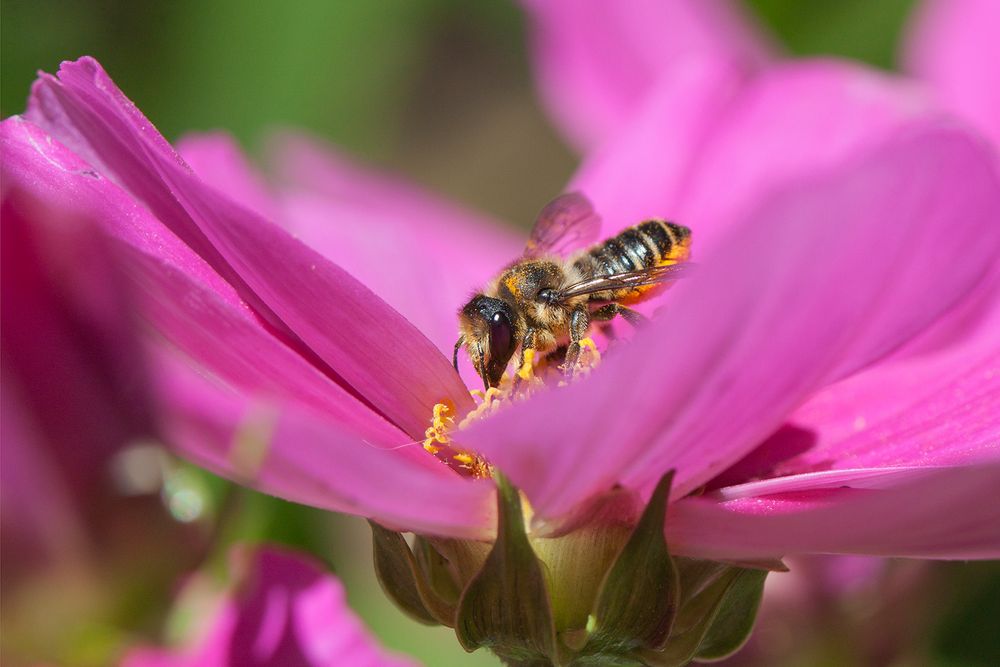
(589, 359)
(438, 442)
(436, 436)
(513, 387)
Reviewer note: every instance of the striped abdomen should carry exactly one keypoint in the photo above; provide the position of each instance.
(648, 244)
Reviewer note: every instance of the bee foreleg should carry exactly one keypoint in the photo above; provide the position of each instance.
(579, 322)
(608, 311)
(527, 343)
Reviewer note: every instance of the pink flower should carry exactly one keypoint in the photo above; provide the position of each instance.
(819, 280)
(829, 377)
(281, 610)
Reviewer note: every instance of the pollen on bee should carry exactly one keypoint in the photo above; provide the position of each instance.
(527, 370)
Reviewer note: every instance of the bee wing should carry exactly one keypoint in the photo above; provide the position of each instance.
(629, 280)
(567, 223)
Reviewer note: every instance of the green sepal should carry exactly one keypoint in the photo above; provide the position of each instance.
(405, 582)
(396, 572)
(637, 602)
(708, 590)
(738, 612)
(505, 606)
(434, 567)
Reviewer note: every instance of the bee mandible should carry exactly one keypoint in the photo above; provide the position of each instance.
(552, 294)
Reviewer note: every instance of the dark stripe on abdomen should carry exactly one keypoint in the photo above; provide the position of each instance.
(639, 248)
(657, 232)
(680, 232)
(615, 251)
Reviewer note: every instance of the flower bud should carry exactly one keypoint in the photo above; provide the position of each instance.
(603, 591)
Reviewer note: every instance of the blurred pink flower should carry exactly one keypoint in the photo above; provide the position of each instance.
(838, 217)
(74, 379)
(596, 61)
(600, 61)
(281, 610)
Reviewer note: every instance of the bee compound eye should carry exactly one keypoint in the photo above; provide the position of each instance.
(501, 336)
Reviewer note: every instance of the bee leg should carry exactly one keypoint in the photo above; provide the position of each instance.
(603, 315)
(527, 343)
(608, 311)
(579, 322)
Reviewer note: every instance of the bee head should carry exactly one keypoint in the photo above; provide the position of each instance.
(487, 326)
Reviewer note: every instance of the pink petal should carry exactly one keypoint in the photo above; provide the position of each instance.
(420, 254)
(764, 324)
(940, 512)
(282, 609)
(301, 455)
(172, 288)
(954, 46)
(219, 162)
(323, 312)
(941, 408)
(707, 145)
(644, 171)
(903, 200)
(792, 120)
(596, 61)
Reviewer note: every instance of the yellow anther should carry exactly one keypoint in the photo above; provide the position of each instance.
(438, 442)
(535, 372)
(437, 433)
(442, 409)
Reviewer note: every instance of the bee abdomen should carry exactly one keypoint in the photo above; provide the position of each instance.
(643, 246)
(669, 240)
(646, 245)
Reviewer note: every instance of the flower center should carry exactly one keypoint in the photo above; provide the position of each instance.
(536, 373)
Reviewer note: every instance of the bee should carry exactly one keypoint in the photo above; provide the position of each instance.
(551, 295)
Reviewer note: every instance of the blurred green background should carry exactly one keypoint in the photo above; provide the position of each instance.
(438, 90)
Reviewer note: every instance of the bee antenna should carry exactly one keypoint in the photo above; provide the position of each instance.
(458, 346)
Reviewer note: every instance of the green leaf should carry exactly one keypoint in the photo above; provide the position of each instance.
(506, 605)
(638, 599)
(396, 572)
(737, 614)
